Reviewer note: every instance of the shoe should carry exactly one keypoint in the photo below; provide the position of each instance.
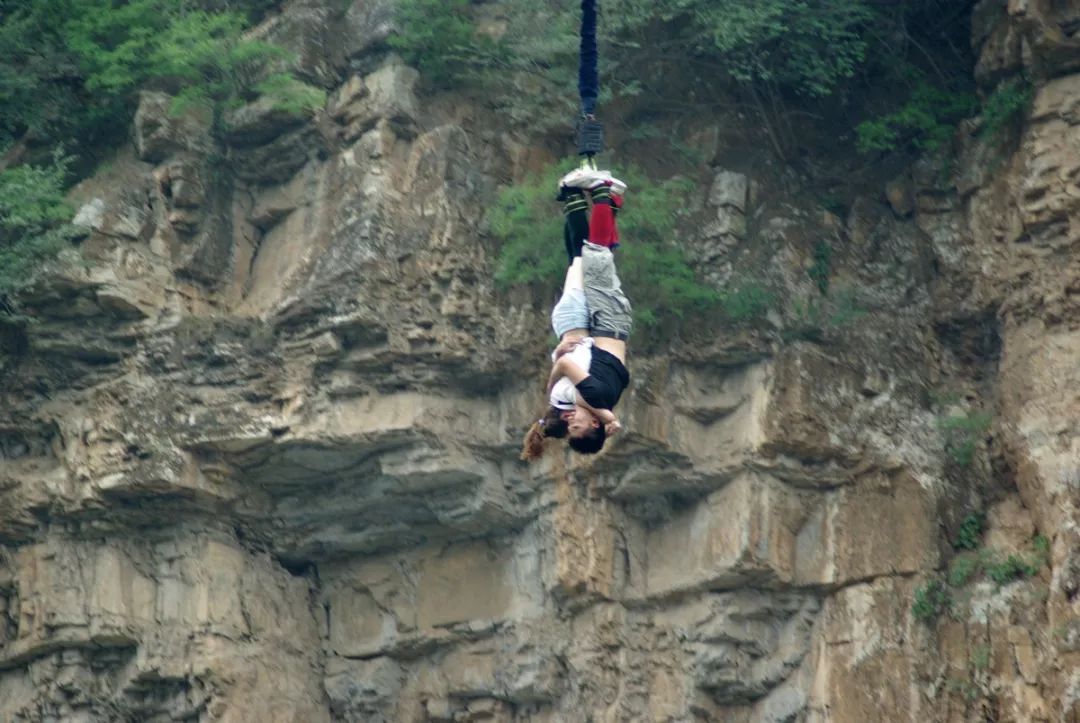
(589, 178)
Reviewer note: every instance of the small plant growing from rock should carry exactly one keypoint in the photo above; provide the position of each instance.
(971, 530)
(821, 269)
(931, 600)
(1006, 103)
(1040, 545)
(818, 316)
(33, 220)
(962, 569)
(980, 657)
(962, 433)
(1013, 567)
(985, 562)
(965, 688)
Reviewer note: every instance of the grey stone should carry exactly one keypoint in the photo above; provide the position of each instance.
(729, 189)
(91, 215)
(160, 133)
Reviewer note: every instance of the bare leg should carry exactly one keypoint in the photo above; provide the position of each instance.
(575, 276)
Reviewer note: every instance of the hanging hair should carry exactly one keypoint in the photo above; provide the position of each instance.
(590, 443)
(550, 426)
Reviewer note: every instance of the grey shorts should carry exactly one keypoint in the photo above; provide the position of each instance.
(610, 313)
(570, 313)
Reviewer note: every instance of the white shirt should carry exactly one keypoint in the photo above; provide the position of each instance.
(564, 394)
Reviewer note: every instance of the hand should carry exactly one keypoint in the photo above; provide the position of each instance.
(613, 427)
(565, 346)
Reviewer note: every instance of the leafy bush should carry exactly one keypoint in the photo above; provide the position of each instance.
(962, 569)
(970, 534)
(1011, 568)
(967, 566)
(926, 121)
(72, 66)
(931, 600)
(1003, 105)
(820, 270)
(808, 46)
(522, 59)
(980, 657)
(437, 37)
(659, 282)
(523, 53)
(746, 302)
(70, 72)
(1040, 546)
(813, 319)
(962, 434)
(33, 220)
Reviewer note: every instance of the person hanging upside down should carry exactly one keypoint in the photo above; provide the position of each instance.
(592, 319)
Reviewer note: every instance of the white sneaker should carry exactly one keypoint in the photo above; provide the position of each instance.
(588, 179)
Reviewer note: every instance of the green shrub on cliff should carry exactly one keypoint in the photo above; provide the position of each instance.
(971, 530)
(931, 600)
(688, 55)
(660, 283)
(71, 67)
(806, 46)
(961, 434)
(926, 120)
(1006, 103)
(69, 73)
(437, 37)
(33, 220)
(803, 45)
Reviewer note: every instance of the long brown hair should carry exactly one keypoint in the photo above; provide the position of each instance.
(550, 426)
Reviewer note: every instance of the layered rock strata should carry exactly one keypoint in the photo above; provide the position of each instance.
(258, 457)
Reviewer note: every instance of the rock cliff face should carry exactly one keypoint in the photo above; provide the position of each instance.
(258, 456)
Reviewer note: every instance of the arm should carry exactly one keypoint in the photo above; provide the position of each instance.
(565, 347)
(565, 368)
(611, 423)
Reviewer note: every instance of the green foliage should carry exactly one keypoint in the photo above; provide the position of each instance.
(971, 530)
(943, 396)
(33, 220)
(962, 434)
(931, 600)
(967, 566)
(661, 285)
(522, 61)
(820, 270)
(835, 205)
(1040, 546)
(980, 657)
(746, 303)
(522, 54)
(807, 46)
(965, 688)
(926, 121)
(962, 569)
(812, 320)
(1008, 101)
(437, 37)
(72, 66)
(529, 222)
(290, 95)
(1011, 568)
(69, 76)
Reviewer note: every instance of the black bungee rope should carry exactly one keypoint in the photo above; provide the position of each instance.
(590, 133)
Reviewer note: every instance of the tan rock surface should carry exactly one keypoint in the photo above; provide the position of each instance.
(258, 460)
